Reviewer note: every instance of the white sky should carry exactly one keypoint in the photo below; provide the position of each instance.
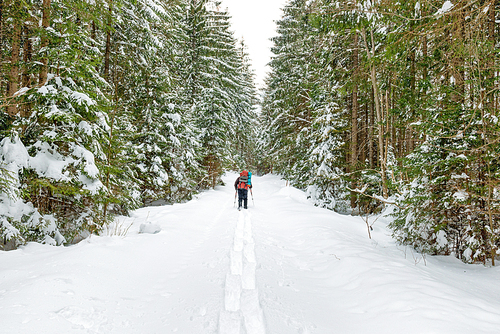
(254, 21)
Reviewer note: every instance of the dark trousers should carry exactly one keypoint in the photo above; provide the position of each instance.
(243, 197)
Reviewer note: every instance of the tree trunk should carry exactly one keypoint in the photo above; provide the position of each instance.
(490, 98)
(490, 105)
(110, 154)
(373, 77)
(26, 78)
(371, 122)
(354, 118)
(107, 52)
(457, 61)
(13, 79)
(93, 33)
(194, 56)
(425, 75)
(410, 146)
(494, 27)
(1, 43)
(364, 135)
(27, 55)
(387, 132)
(42, 80)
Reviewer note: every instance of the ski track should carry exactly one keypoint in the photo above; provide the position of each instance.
(242, 313)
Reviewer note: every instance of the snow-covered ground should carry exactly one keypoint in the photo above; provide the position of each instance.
(283, 266)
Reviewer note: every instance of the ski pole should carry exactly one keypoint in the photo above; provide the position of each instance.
(235, 194)
(251, 193)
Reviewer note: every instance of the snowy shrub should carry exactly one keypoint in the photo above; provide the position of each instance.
(149, 228)
(20, 221)
(442, 212)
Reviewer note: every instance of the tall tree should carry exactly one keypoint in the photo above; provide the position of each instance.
(406, 114)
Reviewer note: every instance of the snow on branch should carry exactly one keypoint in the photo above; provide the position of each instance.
(447, 6)
(376, 197)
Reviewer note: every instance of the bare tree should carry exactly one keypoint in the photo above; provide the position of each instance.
(370, 53)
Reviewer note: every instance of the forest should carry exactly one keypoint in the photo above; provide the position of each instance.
(378, 104)
(112, 105)
(369, 106)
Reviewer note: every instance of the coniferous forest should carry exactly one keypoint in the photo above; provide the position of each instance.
(110, 105)
(392, 103)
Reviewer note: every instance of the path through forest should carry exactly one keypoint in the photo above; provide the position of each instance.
(281, 267)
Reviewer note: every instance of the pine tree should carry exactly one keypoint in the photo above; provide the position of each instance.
(218, 94)
(109, 105)
(402, 106)
(58, 125)
(244, 118)
(287, 100)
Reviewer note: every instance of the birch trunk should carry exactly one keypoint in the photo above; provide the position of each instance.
(378, 110)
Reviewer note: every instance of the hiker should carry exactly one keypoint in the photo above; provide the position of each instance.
(242, 184)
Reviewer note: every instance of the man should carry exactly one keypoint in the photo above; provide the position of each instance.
(242, 185)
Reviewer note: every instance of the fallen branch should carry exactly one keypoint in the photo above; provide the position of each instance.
(381, 199)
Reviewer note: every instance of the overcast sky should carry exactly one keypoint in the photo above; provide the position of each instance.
(253, 20)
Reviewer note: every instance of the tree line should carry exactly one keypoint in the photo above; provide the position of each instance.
(376, 103)
(109, 105)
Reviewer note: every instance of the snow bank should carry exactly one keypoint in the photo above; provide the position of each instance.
(295, 194)
(282, 266)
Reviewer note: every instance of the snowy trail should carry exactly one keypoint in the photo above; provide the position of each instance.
(281, 267)
(242, 312)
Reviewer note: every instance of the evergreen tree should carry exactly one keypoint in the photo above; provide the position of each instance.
(114, 104)
(244, 119)
(218, 92)
(287, 100)
(58, 125)
(402, 107)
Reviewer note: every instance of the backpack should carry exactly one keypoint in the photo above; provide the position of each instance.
(243, 183)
